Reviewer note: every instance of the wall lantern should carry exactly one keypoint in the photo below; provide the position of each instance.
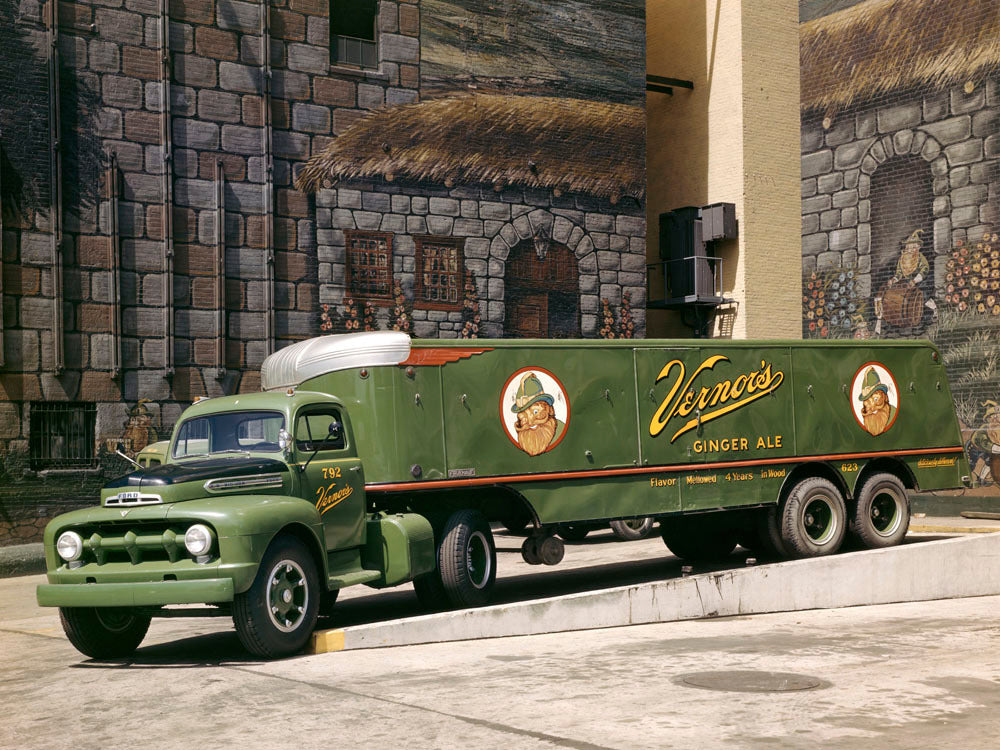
(541, 240)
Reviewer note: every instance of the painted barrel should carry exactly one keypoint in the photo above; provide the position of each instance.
(903, 305)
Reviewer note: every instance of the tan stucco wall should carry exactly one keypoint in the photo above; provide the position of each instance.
(734, 138)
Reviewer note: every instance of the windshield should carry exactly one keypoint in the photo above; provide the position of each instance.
(229, 432)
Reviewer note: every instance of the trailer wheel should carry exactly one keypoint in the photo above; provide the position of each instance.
(696, 539)
(573, 532)
(103, 632)
(813, 519)
(276, 616)
(467, 559)
(632, 529)
(881, 515)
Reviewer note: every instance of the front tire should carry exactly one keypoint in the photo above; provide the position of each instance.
(276, 616)
(632, 529)
(880, 517)
(813, 519)
(467, 559)
(103, 632)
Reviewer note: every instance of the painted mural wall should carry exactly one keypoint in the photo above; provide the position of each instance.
(507, 198)
(901, 189)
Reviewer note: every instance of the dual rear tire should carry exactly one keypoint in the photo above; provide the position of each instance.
(813, 520)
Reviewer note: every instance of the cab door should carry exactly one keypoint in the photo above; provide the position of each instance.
(334, 479)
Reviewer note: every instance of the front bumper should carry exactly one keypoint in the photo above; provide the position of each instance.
(148, 594)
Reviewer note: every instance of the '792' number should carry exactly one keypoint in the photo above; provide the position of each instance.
(332, 473)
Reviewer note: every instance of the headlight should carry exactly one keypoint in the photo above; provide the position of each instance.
(69, 546)
(198, 540)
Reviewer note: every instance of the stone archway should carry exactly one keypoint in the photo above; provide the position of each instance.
(542, 292)
(578, 270)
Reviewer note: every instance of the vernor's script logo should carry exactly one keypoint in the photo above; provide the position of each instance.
(709, 402)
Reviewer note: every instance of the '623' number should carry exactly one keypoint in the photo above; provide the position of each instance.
(332, 473)
(848, 467)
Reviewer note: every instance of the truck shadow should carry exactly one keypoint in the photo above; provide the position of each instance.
(223, 648)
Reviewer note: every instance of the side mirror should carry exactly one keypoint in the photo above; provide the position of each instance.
(285, 443)
(334, 428)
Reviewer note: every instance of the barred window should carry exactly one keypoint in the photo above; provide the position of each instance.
(61, 434)
(352, 31)
(440, 270)
(369, 265)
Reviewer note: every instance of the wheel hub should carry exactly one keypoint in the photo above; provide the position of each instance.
(477, 560)
(287, 595)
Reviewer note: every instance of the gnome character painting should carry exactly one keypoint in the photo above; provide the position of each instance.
(535, 410)
(875, 398)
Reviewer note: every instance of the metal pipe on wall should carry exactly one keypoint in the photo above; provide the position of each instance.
(268, 158)
(1, 267)
(167, 189)
(114, 264)
(55, 174)
(220, 270)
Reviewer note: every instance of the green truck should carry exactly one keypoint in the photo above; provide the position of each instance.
(372, 459)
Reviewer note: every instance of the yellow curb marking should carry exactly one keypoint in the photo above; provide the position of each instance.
(325, 641)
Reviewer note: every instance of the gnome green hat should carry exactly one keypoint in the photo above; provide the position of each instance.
(871, 384)
(529, 390)
(914, 239)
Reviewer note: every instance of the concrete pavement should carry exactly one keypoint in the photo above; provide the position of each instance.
(914, 675)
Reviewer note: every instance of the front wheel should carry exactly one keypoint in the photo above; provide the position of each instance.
(632, 529)
(813, 519)
(276, 616)
(103, 632)
(881, 515)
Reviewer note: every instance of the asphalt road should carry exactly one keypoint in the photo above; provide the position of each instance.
(896, 676)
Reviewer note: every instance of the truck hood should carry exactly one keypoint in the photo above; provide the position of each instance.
(201, 478)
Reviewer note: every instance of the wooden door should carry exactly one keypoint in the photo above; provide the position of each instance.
(529, 316)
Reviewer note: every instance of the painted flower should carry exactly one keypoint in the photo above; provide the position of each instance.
(965, 293)
(981, 308)
(996, 310)
(819, 310)
(812, 325)
(824, 332)
(810, 315)
(812, 304)
(962, 306)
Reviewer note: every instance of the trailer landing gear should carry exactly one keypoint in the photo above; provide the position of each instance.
(544, 548)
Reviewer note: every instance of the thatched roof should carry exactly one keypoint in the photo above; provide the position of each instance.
(882, 45)
(573, 145)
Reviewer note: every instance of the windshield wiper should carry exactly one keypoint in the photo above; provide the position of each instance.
(231, 450)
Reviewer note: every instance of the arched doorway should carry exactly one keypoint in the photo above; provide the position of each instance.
(542, 298)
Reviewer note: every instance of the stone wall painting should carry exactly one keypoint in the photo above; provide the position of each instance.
(901, 189)
(513, 186)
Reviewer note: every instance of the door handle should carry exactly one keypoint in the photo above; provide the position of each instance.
(355, 468)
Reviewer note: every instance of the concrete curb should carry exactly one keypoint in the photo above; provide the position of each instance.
(945, 569)
(22, 560)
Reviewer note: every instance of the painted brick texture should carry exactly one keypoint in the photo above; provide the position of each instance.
(900, 215)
